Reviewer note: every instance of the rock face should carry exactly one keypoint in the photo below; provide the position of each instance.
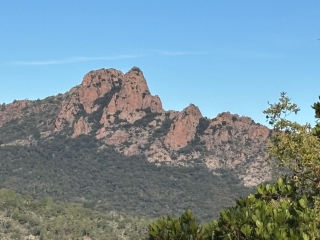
(70, 106)
(133, 96)
(237, 142)
(12, 110)
(96, 84)
(81, 127)
(119, 111)
(183, 129)
(124, 95)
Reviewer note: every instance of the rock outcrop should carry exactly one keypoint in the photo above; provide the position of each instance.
(123, 95)
(96, 84)
(69, 108)
(81, 126)
(12, 110)
(133, 97)
(118, 110)
(116, 101)
(183, 129)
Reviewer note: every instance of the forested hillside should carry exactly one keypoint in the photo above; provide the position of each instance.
(22, 217)
(108, 145)
(78, 170)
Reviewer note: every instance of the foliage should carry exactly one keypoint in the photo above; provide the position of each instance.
(275, 212)
(75, 169)
(184, 228)
(294, 146)
(136, 69)
(164, 129)
(21, 216)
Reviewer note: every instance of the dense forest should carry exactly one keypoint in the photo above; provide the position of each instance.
(101, 178)
(85, 170)
(22, 217)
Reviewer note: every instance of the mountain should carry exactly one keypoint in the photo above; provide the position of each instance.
(109, 144)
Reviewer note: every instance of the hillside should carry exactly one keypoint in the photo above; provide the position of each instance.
(25, 218)
(108, 144)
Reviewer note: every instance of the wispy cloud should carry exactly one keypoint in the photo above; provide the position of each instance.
(72, 60)
(178, 53)
(173, 53)
(250, 54)
(149, 52)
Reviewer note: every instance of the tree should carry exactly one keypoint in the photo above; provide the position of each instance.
(274, 212)
(182, 228)
(294, 146)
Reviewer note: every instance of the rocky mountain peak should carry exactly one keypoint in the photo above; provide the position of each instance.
(96, 84)
(183, 129)
(118, 109)
(112, 92)
(133, 96)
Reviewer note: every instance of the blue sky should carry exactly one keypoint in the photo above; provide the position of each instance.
(219, 55)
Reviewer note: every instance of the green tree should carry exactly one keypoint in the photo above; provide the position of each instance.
(294, 146)
(274, 212)
(172, 228)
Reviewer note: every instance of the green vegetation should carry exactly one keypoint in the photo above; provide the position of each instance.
(203, 125)
(164, 129)
(136, 69)
(21, 216)
(69, 169)
(288, 209)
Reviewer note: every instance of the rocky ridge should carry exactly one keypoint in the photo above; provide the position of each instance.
(119, 110)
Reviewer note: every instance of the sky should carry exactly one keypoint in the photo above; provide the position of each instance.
(219, 55)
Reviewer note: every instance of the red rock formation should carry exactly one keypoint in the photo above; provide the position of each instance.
(95, 84)
(69, 108)
(12, 110)
(118, 137)
(234, 126)
(107, 96)
(133, 97)
(81, 127)
(183, 128)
